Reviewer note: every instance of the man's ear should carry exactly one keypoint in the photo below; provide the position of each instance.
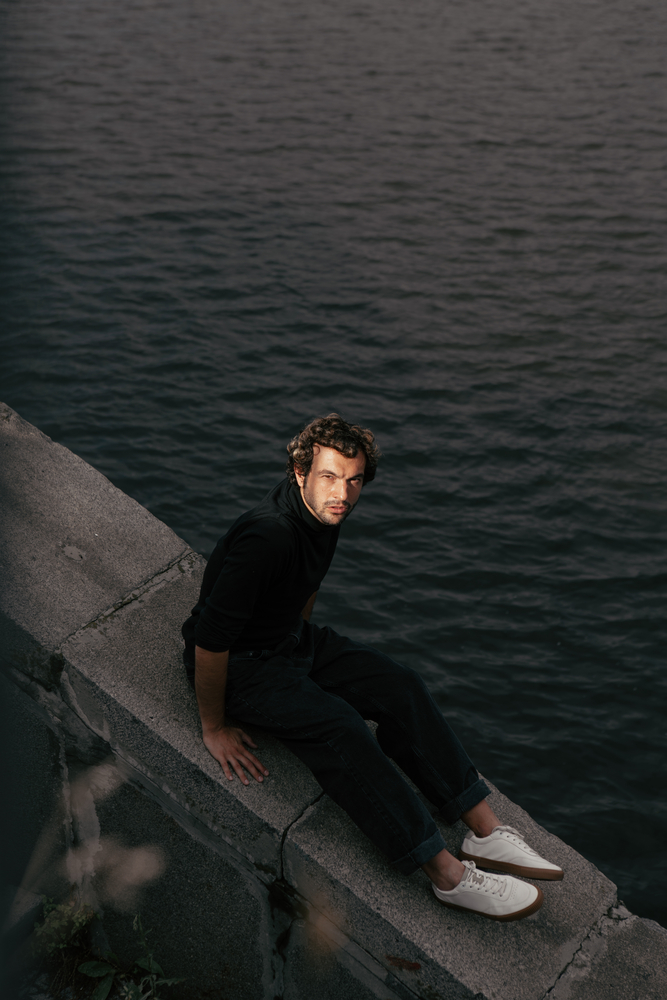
(300, 478)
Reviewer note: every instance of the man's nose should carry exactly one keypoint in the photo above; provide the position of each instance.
(343, 490)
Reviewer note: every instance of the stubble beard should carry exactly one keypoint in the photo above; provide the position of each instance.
(321, 508)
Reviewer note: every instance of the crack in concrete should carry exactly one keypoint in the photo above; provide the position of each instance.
(288, 911)
(135, 594)
(285, 911)
(289, 827)
(45, 666)
(583, 958)
(356, 959)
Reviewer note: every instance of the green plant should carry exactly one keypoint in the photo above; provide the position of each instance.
(108, 971)
(105, 972)
(61, 927)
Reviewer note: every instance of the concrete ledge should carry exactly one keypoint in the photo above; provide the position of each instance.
(266, 891)
(71, 545)
(422, 943)
(624, 957)
(123, 674)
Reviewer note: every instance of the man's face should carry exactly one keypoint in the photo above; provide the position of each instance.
(333, 485)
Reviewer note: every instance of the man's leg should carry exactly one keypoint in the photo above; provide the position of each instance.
(412, 731)
(323, 724)
(276, 693)
(411, 728)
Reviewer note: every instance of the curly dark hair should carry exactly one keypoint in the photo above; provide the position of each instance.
(331, 432)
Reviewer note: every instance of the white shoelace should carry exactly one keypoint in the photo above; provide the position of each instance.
(518, 838)
(483, 881)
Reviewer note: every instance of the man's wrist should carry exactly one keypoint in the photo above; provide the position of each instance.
(211, 728)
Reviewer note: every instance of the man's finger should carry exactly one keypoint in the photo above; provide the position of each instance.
(249, 763)
(225, 768)
(254, 763)
(247, 739)
(239, 770)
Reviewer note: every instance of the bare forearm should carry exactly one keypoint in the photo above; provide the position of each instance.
(210, 686)
(310, 603)
(228, 744)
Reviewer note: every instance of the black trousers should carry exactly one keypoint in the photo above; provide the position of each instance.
(314, 692)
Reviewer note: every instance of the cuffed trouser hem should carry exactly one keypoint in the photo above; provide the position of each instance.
(409, 863)
(468, 798)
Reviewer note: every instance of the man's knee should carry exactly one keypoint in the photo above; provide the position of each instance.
(403, 679)
(347, 729)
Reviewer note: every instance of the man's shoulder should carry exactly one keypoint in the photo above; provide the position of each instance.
(265, 525)
(269, 521)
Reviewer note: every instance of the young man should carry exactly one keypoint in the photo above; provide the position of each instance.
(252, 652)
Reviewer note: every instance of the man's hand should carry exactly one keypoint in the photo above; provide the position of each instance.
(226, 743)
(227, 746)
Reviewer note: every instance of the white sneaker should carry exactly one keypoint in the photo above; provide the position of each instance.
(505, 851)
(499, 897)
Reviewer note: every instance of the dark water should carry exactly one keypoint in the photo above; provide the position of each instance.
(445, 220)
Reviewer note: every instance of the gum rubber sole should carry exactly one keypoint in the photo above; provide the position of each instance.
(508, 869)
(518, 915)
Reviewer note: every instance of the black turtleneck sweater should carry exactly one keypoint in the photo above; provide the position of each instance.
(261, 575)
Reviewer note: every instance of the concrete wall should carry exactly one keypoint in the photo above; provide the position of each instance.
(252, 893)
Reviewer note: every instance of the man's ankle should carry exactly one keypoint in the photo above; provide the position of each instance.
(444, 870)
(481, 819)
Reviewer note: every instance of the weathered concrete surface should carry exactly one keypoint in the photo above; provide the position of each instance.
(124, 674)
(33, 834)
(33, 783)
(328, 859)
(624, 958)
(321, 962)
(188, 907)
(268, 889)
(71, 545)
